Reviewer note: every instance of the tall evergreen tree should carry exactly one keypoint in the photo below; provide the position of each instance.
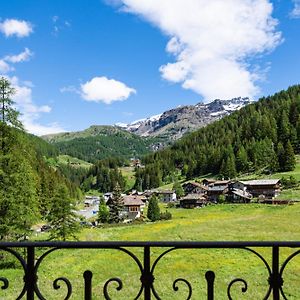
(8, 115)
(178, 189)
(116, 206)
(290, 160)
(18, 181)
(242, 160)
(153, 212)
(62, 218)
(103, 212)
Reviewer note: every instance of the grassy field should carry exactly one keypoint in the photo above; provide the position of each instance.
(252, 222)
(128, 173)
(76, 162)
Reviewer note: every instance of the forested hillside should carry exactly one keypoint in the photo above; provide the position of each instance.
(104, 176)
(29, 188)
(100, 142)
(263, 136)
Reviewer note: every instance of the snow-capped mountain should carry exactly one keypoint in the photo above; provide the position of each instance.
(172, 124)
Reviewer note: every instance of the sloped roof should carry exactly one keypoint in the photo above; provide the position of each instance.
(261, 182)
(193, 197)
(132, 200)
(196, 184)
(218, 188)
(164, 191)
(241, 194)
(221, 182)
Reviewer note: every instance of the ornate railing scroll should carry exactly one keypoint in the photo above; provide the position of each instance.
(148, 262)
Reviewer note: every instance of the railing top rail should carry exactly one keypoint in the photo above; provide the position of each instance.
(177, 244)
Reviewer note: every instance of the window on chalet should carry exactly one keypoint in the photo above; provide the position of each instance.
(133, 208)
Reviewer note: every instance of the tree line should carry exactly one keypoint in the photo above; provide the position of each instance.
(104, 176)
(261, 137)
(110, 142)
(30, 190)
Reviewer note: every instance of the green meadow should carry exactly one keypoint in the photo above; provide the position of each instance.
(252, 222)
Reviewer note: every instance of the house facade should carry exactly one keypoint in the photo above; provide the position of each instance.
(267, 188)
(194, 188)
(166, 195)
(133, 206)
(193, 201)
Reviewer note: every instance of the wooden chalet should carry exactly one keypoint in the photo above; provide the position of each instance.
(214, 192)
(215, 188)
(133, 206)
(269, 188)
(194, 188)
(193, 201)
(238, 196)
(213, 182)
(166, 195)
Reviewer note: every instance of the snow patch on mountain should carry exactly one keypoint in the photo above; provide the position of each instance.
(172, 124)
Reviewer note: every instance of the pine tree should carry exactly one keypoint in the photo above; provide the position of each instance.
(8, 115)
(62, 218)
(290, 160)
(228, 168)
(242, 160)
(281, 156)
(18, 180)
(116, 206)
(153, 212)
(103, 213)
(178, 189)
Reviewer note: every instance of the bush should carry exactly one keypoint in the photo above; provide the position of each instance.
(221, 199)
(166, 215)
(290, 182)
(171, 204)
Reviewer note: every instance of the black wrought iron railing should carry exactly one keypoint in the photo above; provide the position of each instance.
(32, 255)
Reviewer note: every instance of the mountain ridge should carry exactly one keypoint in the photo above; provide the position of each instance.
(176, 122)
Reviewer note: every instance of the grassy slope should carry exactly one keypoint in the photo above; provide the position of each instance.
(222, 222)
(100, 142)
(128, 173)
(67, 159)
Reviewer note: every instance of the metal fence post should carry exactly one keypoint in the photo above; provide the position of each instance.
(147, 277)
(210, 278)
(30, 277)
(87, 275)
(276, 280)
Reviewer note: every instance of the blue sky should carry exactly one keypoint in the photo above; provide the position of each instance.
(76, 63)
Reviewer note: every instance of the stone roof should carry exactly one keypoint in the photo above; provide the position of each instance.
(164, 191)
(193, 197)
(132, 200)
(218, 188)
(261, 182)
(221, 182)
(242, 194)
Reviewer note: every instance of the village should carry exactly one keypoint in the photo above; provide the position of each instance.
(196, 195)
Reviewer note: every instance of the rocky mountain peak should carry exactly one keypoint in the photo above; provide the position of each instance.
(174, 123)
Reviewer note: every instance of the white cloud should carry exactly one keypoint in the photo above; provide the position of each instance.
(59, 24)
(296, 10)
(19, 28)
(5, 67)
(102, 89)
(23, 56)
(39, 129)
(70, 88)
(30, 112)
(211, 41)
(55, 19)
